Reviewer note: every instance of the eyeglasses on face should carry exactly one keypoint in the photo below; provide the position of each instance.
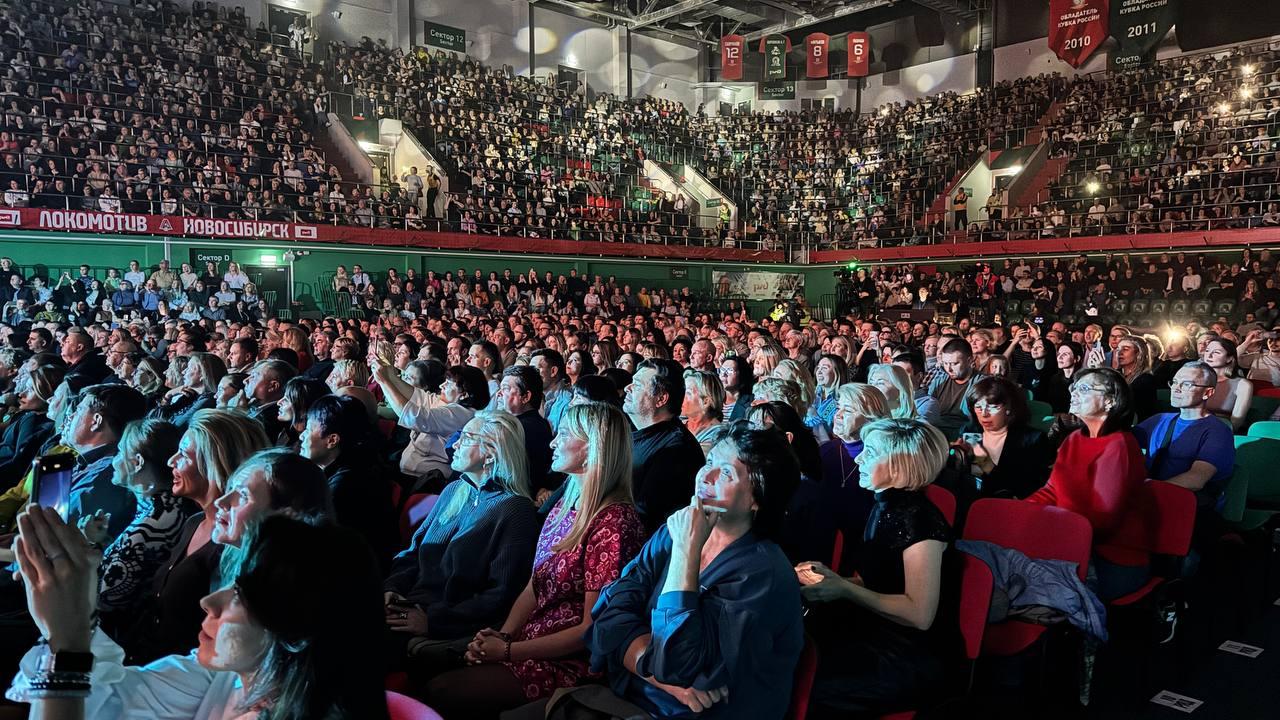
(1082, 389)
(1185, 385)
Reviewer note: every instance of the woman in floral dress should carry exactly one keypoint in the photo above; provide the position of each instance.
(589, 537)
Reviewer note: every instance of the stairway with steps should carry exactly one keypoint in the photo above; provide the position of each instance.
(1033, 192)
(938, 208)
(1037, 133)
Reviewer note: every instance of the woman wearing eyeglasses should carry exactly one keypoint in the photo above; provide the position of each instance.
(1008, 457)
(470, 558)
(1098, 471)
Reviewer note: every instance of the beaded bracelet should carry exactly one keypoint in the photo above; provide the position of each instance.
(506, 652)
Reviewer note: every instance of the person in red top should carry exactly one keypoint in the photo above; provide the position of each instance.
(1098, 473)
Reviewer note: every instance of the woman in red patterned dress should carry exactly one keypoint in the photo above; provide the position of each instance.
(589, 537)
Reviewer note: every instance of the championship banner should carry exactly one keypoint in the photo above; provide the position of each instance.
(1077, 28)
(817, 46)
(756, 285)
(1139, 25)
(859, 47)
(733, 50)
(775, 49)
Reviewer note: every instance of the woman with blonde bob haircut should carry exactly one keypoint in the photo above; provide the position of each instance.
(894, 383)
(591, 534)
(773, 389)
(894, 602)
(470, 558)
(703, 407)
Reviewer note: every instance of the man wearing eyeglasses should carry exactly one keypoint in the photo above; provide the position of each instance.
(1190, 447)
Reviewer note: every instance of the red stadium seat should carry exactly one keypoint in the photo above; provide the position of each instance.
(944, 500)
(802, 686)
(1039, 531)
(416, 509)
(1165, 525)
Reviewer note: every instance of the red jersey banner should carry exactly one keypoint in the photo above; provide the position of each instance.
(1077, 28)
(859, 54)
(733, 50)
(816, 48)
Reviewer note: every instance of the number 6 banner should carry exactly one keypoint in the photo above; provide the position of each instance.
(816, 48)
(859, 54)
(1077, 28)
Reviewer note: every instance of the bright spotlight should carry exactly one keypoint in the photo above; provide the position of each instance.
(1092, 187)
(1015, 169)
(1247, 70)
(1246, 92)
(1224, 108)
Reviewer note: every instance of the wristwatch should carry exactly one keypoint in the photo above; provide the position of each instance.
(65, 662)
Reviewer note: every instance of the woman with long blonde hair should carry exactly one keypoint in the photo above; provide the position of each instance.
(470, 558)
(593, 531)
(215, 444)
(295, 339)
(895, 384)
(789, 369)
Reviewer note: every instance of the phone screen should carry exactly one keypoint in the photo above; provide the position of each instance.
(53, 481)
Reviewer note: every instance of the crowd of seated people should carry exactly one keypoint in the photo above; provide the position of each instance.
(1186, 144)
(162, 110)
(853, 180)
(157, 109)
(643, 509)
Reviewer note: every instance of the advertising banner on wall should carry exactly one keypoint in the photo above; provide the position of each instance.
(817, 47)
(1077, 28)
(775, 49)
(443, 36)
(859, 47)
(101, 223)
(733, 50)
(1139, 25)
(756, 285)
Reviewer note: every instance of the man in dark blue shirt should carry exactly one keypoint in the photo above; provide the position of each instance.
(1190, 447)
(665, 456)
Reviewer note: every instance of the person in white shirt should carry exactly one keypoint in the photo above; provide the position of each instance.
(268, 645)
(1259, 354)
(135, 276)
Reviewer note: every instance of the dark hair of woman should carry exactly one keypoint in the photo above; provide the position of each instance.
(995, 390)
(746, 379)
(774, 473)
(315, 588)
(472, 383)
(783, 417)
(597, 388)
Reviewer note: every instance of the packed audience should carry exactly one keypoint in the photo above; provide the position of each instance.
(632, 505)
(1187, 144)
(157, 109)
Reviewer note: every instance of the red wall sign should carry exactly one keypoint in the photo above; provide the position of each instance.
(1077, 28)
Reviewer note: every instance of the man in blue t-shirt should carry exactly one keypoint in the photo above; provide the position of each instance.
(1190, 447)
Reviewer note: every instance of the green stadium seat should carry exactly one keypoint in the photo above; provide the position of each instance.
(1180, 308)
(1265, 429)
(1224, 307)
(1159, 308)
(1201, 308)
(1255, 463)
(1037, 408)
(1140, 307)
(1119, 306)
(1027, 306)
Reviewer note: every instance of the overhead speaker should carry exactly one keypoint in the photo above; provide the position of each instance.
(929, 28)
(894, 56)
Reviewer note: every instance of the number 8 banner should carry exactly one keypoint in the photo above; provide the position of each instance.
(859, 44)
(1077, 28)
(816, 48)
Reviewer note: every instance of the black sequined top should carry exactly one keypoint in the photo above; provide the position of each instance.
(899, 519)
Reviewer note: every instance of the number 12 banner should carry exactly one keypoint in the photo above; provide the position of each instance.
(1077, 28)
